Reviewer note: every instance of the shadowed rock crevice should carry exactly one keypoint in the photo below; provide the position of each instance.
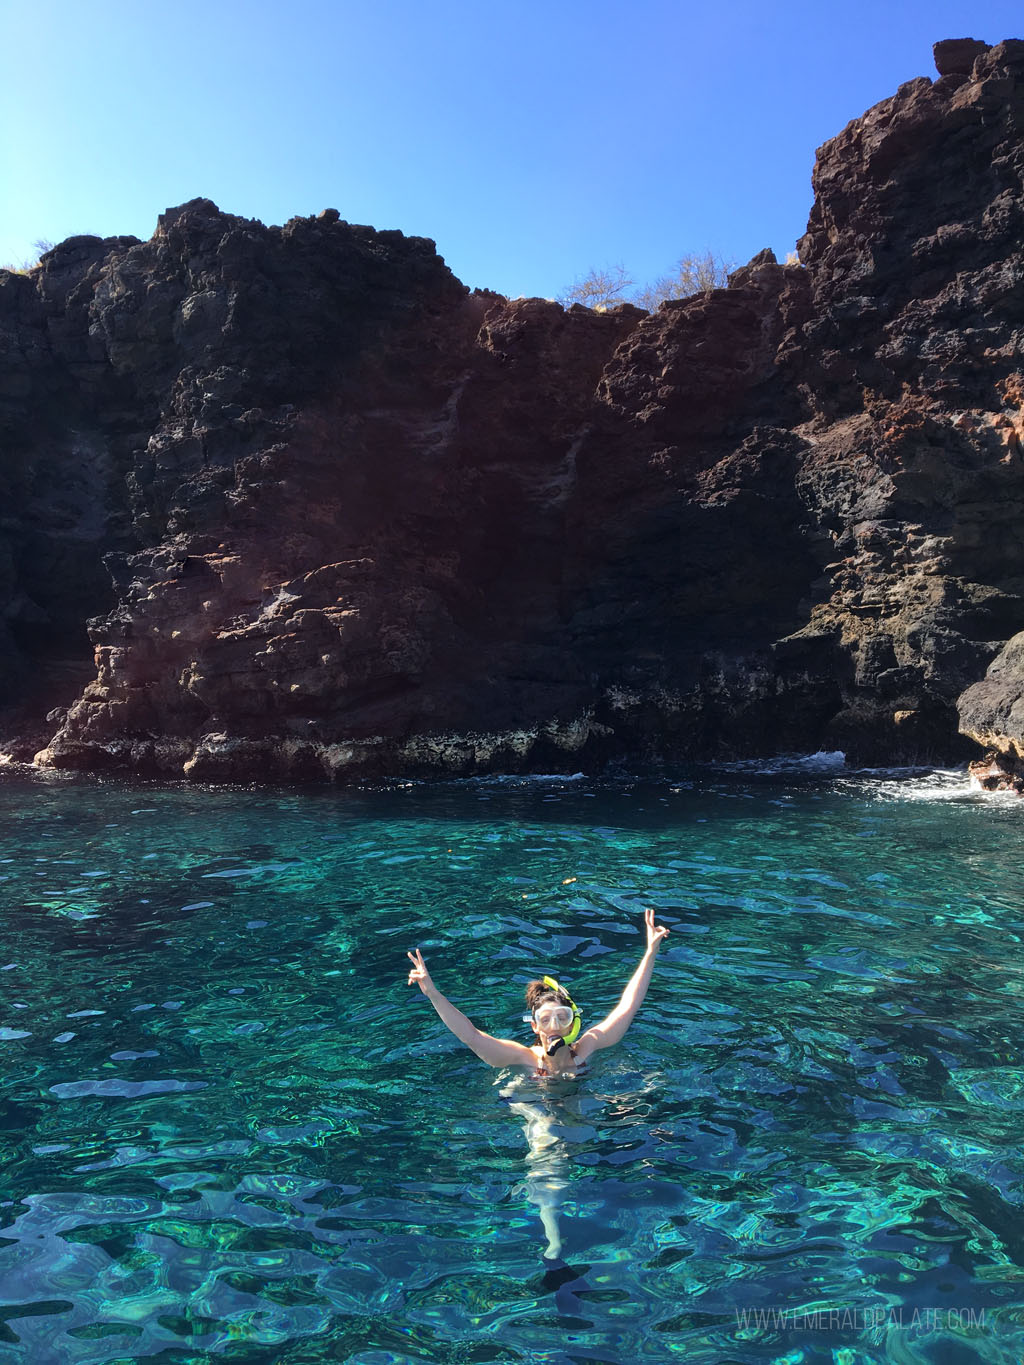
(333, 516)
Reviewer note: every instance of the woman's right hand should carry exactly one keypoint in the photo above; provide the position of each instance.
(419, 975)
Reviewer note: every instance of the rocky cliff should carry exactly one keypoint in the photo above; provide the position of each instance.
(293, 503)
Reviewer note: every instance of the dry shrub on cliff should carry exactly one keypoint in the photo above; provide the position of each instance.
(599, 288)
(694, 274)
(42, 246)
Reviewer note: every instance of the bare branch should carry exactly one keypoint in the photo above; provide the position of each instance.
(599, 288)
(694, 274)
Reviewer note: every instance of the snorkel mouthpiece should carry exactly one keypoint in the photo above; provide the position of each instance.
(574, 1032)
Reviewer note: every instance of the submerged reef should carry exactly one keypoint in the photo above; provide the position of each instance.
(293, 503)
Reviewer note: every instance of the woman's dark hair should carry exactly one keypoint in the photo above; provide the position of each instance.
(537, 993)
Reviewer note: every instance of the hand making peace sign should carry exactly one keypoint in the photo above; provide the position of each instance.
(419, 974)
(655, 932)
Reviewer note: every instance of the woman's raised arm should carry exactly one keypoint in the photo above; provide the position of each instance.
(494, 1051)
(611, 1028)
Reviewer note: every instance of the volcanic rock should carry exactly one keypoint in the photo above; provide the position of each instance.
(956, 56)
(997, 772)
(306, 508)
(992, 710)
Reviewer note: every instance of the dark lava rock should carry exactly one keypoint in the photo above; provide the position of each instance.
(956, 56)
(998, 772)
(307, 508)
(992, 710)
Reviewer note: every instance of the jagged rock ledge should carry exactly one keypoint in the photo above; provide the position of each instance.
(992, 714)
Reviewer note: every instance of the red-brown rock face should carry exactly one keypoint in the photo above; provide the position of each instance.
(362, 522)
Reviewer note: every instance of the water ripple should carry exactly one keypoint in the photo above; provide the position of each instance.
(257, 1139)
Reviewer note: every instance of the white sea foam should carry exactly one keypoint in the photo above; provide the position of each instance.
(524, 779)
(824, 761)
(917, 784)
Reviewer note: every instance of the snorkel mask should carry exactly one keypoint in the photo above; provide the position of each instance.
(574, 1032)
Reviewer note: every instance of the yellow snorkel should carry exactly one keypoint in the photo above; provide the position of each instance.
(574, 1033)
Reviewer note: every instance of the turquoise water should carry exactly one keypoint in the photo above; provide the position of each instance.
(231, 1131)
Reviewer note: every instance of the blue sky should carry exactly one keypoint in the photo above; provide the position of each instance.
(532, 140)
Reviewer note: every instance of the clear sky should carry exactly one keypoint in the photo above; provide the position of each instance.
(532, 139)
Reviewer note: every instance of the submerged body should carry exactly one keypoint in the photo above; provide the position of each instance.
(547, 1164)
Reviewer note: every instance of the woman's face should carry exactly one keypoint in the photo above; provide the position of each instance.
(551, 1020)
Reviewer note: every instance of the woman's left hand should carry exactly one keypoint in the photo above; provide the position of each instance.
(655, 932)
(419, 976)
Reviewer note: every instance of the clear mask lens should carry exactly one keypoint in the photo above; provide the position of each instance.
(554, 1017)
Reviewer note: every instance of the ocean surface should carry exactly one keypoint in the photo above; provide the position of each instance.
(231, 1131)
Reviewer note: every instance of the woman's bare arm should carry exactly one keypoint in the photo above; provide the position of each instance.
(494, 1051)
(611, 1029)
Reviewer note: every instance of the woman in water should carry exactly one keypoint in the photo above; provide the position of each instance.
(554, 1017)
